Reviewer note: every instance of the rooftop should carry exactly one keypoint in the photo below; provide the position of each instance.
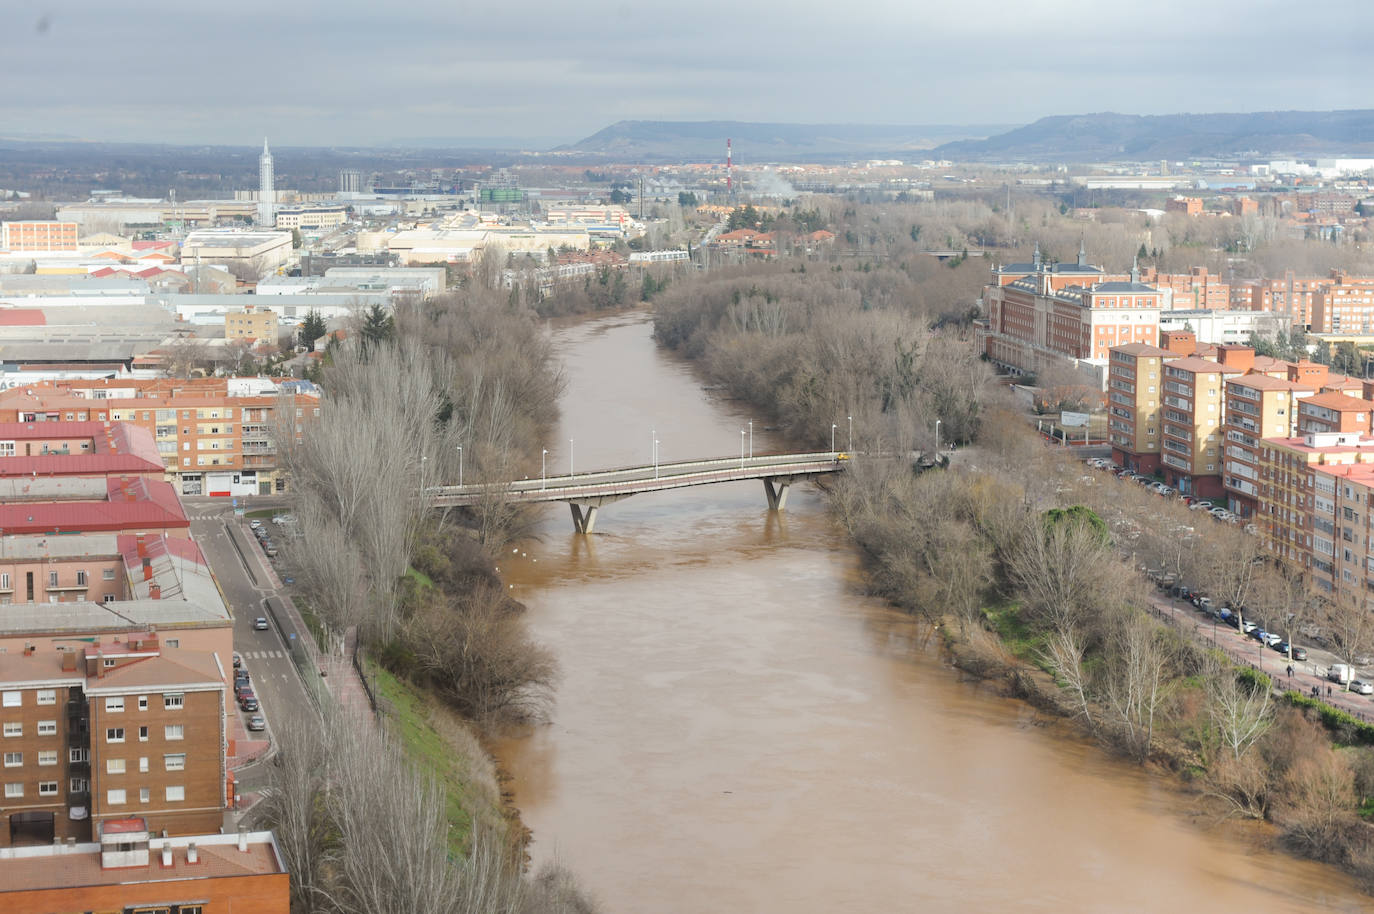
(1339, 402)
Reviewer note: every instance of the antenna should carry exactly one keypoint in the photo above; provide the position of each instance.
(729, 170)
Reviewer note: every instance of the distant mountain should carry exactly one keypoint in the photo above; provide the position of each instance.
(704, 141)
(1118, 137)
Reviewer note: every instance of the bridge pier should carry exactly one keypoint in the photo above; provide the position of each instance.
(775, 488)
(584, 517)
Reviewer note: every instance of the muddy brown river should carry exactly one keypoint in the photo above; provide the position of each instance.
(737, 729)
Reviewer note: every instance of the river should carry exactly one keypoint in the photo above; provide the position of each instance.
(738, 729)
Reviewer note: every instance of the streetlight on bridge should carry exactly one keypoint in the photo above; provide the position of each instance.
(656, 443)
(937, 439)
(571, 443)
(751, 439)
(460, 466)
(741, 449)
(543, 470)
(851, 435)
(833, 426)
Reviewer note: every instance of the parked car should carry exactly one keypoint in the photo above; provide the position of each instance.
(260, 623)
(249, 702)
(1270, 639)
(238, 661)
(1340, 672)
(1204, 604)
(255, 524)
(257, 722)
(241, 689)
(1248, 627)
(1362, 687)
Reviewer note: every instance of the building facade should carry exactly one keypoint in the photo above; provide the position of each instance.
(1134, 382)
(39, 237)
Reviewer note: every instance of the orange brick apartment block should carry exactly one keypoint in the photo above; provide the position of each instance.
(38, 237)
(129, 870)
(216, 436)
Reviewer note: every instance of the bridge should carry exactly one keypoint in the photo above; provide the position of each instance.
(585, 493)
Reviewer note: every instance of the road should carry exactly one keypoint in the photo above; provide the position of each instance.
(247, 581)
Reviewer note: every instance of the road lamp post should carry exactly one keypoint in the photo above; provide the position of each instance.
(655, 458)
(741, 449)
(851, 435)
(543, 470)
(937, 439)
(572, 442)
(751, 439)
(460, 466)
(833, 426)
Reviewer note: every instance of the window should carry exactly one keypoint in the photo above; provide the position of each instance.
(143, 702)
(47, 696)
(78, 755)
(107, 574)
(14, 729)
(142, 734)
(47, 757)
(176, 794)
(5, 577)
(115, 797)
(79, 785)
(172, 642)
(47, 728)
(81, 579)
(13, 699)
(14, 759)
(114, 766)
(144, 794)
(52, 578)
(114, 704)
(47, 788)
(13, 790)
(174, 731)
(143, 764)
(172, 701)
(174, 762)
(109, 662)
(114, 735)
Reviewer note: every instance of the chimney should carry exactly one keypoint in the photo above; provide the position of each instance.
(192, 855)
(69, 661)
(147, 568)
(142, 544)
(155, 591)
(1183, 342)
(243, 838)
(166, 853)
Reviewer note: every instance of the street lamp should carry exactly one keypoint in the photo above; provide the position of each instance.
(655, 458)
(460, 466)
(851, 435)
(741, 449)
(833, 426)
(937, 439)
(571, 443)
(751, 439)
(543, 467)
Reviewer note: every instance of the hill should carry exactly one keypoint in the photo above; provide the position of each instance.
(704, 141)
(1117, 137)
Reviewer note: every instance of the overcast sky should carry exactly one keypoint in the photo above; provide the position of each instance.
(351, 73)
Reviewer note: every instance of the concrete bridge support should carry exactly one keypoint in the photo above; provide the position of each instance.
(775, 488)
(584, 517)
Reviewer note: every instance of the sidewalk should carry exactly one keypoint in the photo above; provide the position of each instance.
(343, 680)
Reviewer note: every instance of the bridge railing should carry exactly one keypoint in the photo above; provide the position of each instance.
(589, 483)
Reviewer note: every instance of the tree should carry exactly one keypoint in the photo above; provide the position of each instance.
(296, 239)
(1137, 682)
(378, 326)
(311, 329)
(1351, 623)
(686, 198)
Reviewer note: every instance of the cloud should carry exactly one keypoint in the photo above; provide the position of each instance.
(357, 73)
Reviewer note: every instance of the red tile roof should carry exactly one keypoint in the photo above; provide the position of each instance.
(88, 516)
(22, 317)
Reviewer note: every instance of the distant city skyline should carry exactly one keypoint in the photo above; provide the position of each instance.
(345, 74)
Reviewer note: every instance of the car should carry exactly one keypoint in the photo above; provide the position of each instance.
(249, 702)
(257, 722)
(238, 661)
(1198, 506)
(1299, 653)
(1204, 604)
(1271, 638)
(260, 623)
(288, 580)
(1248, 627)
(255, 524)
(1362, 686)
(270, 551)
(242, 690)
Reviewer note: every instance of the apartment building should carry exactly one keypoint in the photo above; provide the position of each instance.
(1195, 290)
(104, 730)
(1192, 425)
(38, 237)
(251, 323)
(1258, 406)
(215, 436)
(1334, 412)
(1287, 510)
(128, 867)
(1344, 306)
(1343, 496)
(1134, 382)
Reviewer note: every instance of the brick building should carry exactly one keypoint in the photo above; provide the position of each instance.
(38, 237)
(1134, 380)
(215, 436)
(250, 323)
(129, 868)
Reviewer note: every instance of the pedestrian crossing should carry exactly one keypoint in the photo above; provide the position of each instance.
(262, 655)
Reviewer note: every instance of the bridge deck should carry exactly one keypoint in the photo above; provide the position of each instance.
(619, 483)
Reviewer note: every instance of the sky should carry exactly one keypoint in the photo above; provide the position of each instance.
(539, 72)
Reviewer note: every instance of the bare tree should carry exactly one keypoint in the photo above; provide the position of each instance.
(1351, 623)
(1137, 682)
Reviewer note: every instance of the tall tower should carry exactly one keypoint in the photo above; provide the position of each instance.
(267, 191)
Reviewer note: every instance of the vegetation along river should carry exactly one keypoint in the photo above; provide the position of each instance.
(738, 729)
